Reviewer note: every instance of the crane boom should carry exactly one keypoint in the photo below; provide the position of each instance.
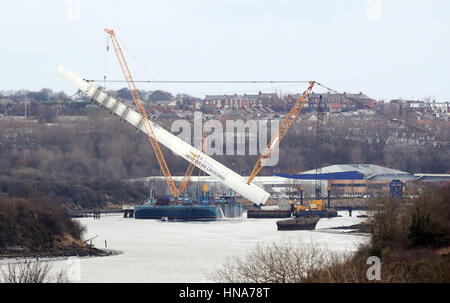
(148, 127)
(140, 107)
(190, 169)
(282, 130)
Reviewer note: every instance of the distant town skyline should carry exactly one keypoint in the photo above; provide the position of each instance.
(385, 49)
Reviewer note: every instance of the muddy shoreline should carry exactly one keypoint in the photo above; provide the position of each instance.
(61, 253)
(358, 228)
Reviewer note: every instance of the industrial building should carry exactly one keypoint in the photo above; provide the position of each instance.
(355, 179)
(342, 179)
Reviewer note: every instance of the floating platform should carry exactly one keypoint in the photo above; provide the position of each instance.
(207, 209)
(303, 223)
(178, 212)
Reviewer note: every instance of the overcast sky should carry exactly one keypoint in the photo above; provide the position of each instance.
(399, 51)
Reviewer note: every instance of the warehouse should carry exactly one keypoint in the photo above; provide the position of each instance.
(363, 179)
(348, 180)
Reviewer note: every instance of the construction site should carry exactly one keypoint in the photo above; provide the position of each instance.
(226, 143)
(232, 189)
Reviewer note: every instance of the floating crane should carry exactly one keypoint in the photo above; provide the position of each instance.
(140, 107)
(282, 130)
(265, 155)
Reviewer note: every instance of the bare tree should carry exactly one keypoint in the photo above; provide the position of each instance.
(30, 271)
(286, 262)
(290, 262)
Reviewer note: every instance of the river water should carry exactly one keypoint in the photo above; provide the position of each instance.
(156, 251)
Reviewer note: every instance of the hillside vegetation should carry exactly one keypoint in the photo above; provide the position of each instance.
(81, 162)
(35, 225)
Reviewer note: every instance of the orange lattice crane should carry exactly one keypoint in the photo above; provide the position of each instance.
(282, 130)
(190, 168)
(148, 127)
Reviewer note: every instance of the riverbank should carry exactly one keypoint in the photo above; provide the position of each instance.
(37, 227)
(186, 252)
(364, 228)
(62, 253)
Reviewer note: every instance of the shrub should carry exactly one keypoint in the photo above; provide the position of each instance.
(34, 224)
(402, 233)
(423, 231)
(421, 221)
(286, 262)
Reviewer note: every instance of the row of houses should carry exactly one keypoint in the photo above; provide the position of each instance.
(328, 102)
(235, 101)
(323, 102)
(420, 106)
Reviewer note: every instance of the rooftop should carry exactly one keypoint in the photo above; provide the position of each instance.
(365, 169)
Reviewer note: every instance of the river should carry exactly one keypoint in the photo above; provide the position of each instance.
(156, 251)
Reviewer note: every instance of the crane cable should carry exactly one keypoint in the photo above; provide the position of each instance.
(354, 100)
(209, 81)
(140, 106)
(105, 62)
(388, 117)
(26, 121)
(145, 69)
(204, 135)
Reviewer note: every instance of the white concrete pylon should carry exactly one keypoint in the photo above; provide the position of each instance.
(210, 166)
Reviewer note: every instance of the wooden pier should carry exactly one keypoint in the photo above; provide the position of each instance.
(128, 212)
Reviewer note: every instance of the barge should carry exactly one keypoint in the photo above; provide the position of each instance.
(205, 208)
(178, 212)
(303, 223)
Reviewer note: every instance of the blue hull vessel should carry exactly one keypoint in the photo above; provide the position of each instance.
(178, 212)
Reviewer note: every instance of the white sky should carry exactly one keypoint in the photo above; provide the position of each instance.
(404, 54)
